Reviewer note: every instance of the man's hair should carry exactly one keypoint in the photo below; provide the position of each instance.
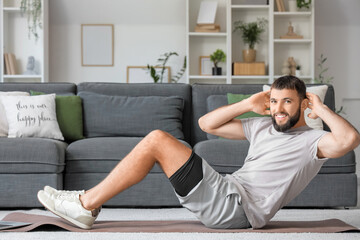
(291, 82)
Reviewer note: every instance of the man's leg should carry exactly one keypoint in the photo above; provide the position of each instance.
(157, 147)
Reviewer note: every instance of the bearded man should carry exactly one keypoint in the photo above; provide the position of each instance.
(284, 156)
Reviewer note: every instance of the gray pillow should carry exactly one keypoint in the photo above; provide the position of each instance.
(106, 115)
(213, 102)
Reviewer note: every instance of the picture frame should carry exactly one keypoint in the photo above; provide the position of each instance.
(205, 66)
(97, 45)
(141, 74)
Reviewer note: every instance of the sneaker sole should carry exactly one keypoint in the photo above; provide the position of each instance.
(73, 221)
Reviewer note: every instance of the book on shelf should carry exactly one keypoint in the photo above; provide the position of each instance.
(12, 61)
(207, 12)
(207, 28)
(7, 64)
(280, 5)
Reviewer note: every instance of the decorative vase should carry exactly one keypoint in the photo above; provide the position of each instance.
(249, 55)
(297, 73)
(285, 70)
(292, 6)
(216, 71)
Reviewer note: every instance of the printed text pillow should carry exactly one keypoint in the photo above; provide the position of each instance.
(32, 116)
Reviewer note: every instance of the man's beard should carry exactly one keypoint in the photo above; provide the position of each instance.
(289, 124)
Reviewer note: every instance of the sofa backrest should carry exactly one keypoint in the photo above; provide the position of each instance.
(141, 91)
(201, 93)
(58, 88)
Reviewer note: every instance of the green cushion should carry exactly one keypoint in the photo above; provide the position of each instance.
(69, 116)
(234, 98)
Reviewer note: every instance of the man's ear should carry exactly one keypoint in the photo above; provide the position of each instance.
(304, 104)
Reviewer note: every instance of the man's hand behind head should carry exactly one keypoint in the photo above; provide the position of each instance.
(260, 102)
(315, 104)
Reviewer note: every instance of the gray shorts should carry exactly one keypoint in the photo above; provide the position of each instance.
(215, 201)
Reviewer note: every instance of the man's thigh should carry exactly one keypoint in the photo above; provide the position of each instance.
(215, 201)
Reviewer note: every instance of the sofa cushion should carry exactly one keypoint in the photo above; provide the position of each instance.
(69, 115)
(224, 155)
(4, 126)
(32, 116)
(101, 154)
(106, 116)
(234, 98)
(31, 155)
(147, 89)
(213, 151)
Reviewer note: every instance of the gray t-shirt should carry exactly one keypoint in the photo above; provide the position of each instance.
(279, 165)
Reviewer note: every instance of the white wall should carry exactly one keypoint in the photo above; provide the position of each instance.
(337, 36)
(144, 30)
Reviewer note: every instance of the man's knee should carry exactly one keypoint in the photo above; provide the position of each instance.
(158, 135)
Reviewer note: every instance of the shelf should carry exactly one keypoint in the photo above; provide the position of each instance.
(292, 13)
(250, 77)
(292, 41)
(207, 77)
(11, 9)
(250, 6)
(205, 34)
(273, 50)
(22, 76)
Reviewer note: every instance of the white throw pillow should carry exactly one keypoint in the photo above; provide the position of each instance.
(321, 92)
(32, 116)
(4, 127)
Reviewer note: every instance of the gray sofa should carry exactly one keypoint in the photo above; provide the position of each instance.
(116, 117)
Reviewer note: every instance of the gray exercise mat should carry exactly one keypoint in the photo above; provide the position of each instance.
(45, 223)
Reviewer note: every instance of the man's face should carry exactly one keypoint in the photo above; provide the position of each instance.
(285, 108)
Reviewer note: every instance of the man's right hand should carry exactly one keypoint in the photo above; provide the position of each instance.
(260, 102)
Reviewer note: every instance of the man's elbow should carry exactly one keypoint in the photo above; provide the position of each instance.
(202, 124)
(351, 142)
(356, 140)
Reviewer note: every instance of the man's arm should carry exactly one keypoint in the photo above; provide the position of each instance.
(221, 122)
(343, 137)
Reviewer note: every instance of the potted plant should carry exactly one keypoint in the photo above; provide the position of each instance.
(303, 4)
(297, 71)
(217, 57)
(32, 8)
(164, 58)
(251, 35)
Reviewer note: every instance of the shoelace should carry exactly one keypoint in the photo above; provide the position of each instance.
(66, 196)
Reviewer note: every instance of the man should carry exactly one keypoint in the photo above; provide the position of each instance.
(284, 155)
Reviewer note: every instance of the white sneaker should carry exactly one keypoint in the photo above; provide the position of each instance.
(69, 207)
(52, 190)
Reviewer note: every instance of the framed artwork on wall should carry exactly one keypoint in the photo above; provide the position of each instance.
(141, 74)
(205, 66)
(97, 45)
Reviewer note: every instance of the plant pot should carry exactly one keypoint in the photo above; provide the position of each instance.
(249, 55)
(297, 73)
(216, 71)
(292, 6)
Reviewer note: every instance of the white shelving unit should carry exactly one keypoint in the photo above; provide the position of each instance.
(272, 50)
(14, 39)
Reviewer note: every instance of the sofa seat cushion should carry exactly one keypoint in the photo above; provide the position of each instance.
(101, 154)
(213, 151)
(31, 155)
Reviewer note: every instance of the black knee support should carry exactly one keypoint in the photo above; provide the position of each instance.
(188, 176)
